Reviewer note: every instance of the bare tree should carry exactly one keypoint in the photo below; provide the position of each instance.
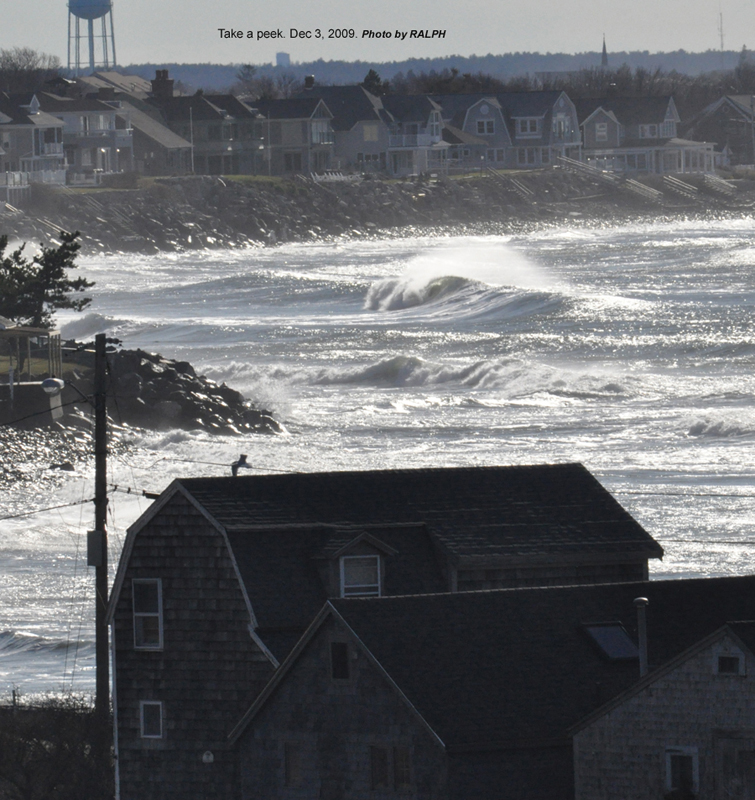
(25, 70)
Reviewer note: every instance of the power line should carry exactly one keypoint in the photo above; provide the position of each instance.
(49, 508)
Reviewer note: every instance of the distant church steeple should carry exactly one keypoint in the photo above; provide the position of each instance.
(604, 57)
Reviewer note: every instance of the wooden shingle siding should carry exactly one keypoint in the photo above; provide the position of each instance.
(622, 755)
(335, 726)
(208, 668)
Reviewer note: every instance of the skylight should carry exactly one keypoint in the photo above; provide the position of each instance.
(613, 640)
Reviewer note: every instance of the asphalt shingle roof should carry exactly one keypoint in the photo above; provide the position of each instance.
(505, 666)
(474, 511)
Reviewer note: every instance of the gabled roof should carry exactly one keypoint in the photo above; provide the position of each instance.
(497, 668)
(410, 107)
(528, 104)
(291, 108)
(55, 104)
(131, 84)
(514, 667)
(202, 107)
(470, 511)
(151, 128)
(628, 110)
(280, 568)
(14, 111)
(348, 104)
(743, 632)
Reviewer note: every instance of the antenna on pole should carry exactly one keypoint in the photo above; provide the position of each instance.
(721, 33)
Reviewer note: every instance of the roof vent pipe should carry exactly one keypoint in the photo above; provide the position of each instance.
(640, 603)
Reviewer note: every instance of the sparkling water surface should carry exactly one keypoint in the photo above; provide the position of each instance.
(630, 349)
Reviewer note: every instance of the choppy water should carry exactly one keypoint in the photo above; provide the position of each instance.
(630, 349)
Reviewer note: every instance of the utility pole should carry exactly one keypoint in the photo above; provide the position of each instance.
(98, 548)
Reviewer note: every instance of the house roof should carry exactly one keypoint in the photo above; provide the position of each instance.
(473, 511)
(131, 84)
(514, 666)
(409, 107)
(151, 128)
(528, 104)
(272, 557)
(291, 108)
(743, 631)
(12, 112)
(628, 110)
(202, 107)
(348, 104)
(55, 104)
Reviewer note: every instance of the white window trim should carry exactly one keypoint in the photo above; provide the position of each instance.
(683, 751)
(377, 593)
(142, 704)
(159, 614)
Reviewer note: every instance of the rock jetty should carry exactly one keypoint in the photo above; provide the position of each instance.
(149, 391)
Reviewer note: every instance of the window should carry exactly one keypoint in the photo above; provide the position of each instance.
(370, 132)
(148, 618)
(402, 768)
(648, 131)
(682, 769)
(292, 162)
(380, 777)
(339, 661)
(486, 126)
(292, 767)
(545, 156)
(728, 660)
(526, 155)
(728, 665)
(527, 126)
(151, 714)
(601, 131)
(360, 575)
(390, 767)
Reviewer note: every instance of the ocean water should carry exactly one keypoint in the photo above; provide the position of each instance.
(630, 349)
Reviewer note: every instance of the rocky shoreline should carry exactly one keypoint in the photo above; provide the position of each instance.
(148, 391)
(198, 212)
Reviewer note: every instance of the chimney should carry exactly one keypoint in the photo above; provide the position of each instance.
(162, 85)
(641, 603)
(309, 82)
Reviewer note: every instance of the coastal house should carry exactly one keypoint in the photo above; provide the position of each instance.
(223, 133)
(93, 141)
(31, 147)
(542, 125)
(728, 122)
(297, 134)
(639, 134)
(221, 577)
(360, 125)
(415, 141)
(686, 729)
(474, 695)
(475, 129)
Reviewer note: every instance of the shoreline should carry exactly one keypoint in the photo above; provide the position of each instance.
(204, 212)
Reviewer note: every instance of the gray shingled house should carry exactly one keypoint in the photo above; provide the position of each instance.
(686, 727)
(474, 695)
(221, 576)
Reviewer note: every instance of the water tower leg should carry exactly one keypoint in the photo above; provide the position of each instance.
(91, 44)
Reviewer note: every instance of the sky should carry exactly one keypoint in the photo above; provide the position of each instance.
(188, 31)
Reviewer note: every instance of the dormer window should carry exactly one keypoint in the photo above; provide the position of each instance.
(360, 576)
(728, 660)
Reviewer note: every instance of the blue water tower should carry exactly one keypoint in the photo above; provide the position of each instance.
(101, 42)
